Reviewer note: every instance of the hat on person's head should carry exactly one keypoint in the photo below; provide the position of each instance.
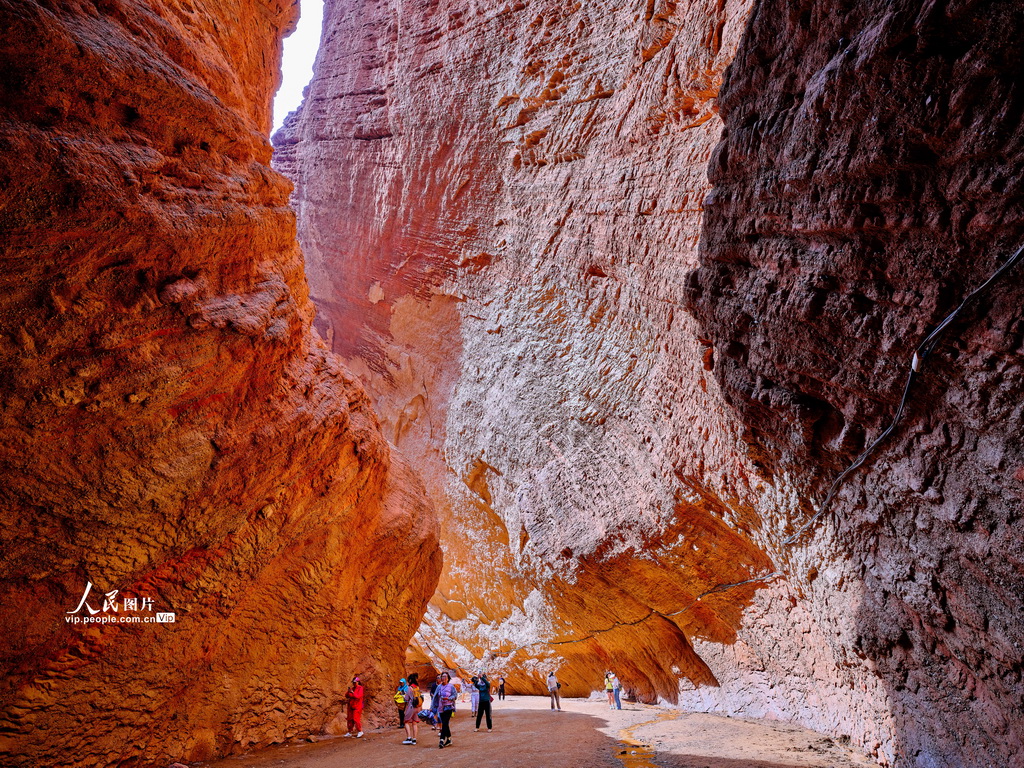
(402, 680)
(357, 679)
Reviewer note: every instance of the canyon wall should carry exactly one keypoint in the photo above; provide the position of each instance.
(498, 208)
(626, 394)
(868, 180)
(174, 435)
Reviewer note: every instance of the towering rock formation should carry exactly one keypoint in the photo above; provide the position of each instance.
(869, 180)
(171, 427)
(500, 208)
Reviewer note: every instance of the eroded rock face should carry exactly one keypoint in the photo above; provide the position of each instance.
(868, 181)
(171, 427)
(500, 209)
(499, 206)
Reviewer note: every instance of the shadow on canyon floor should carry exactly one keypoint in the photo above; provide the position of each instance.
(528, 734)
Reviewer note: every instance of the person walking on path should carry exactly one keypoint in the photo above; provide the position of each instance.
(501, 689)
(616, 686)
(553, 686)
(608, 690)
(483, 687)
(354, 714)
(413, 703)
(474, 695)
(447, 695)
(400, 702)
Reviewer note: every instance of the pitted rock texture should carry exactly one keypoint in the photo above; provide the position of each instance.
(869, 179)
(500, 209)
(171, 426)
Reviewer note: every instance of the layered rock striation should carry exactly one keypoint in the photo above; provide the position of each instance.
(626, 394)
(174, 436)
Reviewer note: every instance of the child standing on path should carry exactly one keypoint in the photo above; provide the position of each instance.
(354, 714)
(447, 694)
(608, 690)
(474, 695)
(501, 689)
(483, 687)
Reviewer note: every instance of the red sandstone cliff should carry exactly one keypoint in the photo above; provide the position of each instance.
(171, 427)
(500, 208)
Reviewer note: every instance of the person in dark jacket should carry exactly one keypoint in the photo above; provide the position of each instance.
(483, 685)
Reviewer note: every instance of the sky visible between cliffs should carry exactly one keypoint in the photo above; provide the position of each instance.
(297, 63)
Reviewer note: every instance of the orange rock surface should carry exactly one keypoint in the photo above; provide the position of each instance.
(170, 425)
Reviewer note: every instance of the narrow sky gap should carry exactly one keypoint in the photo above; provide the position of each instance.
(297, 63)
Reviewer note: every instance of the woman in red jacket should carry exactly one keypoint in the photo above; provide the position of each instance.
(354, 694)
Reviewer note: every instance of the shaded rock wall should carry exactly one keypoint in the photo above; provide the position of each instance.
(515, 287)
(171, 426)
(868, 180)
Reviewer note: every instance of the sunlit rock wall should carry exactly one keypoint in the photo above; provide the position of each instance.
(500, 207)
(170, 425)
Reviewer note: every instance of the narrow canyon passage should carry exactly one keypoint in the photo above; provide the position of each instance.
(532, 341)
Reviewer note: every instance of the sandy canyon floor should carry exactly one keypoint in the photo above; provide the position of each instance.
(527, 734)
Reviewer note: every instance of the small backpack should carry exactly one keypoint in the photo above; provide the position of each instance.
(399, 696)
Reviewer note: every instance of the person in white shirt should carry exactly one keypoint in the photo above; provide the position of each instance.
(616, 686)
(553, 686)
